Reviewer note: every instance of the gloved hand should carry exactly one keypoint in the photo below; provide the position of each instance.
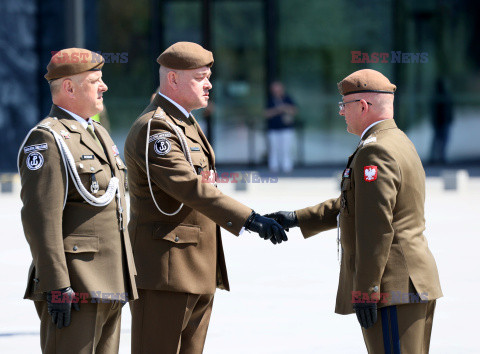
(267, 229)
(59, 305)
(287, 219)
(366, 314)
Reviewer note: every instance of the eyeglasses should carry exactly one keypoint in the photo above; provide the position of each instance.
(341, 105)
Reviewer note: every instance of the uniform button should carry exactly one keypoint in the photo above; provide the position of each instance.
(36, 280)
(80, 165)
(92, 168)
(176, 239)
(75, 248)
(375, 289)
(229, 224)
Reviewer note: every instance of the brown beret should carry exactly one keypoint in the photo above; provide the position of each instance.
(72, 61)
(366, 80)
(185, 56)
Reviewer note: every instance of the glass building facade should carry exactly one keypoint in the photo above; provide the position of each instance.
(309, 45)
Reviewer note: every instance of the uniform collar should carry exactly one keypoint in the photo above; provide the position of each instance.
(180, 108)
(79, 119)
(370, 126)
(380, 125)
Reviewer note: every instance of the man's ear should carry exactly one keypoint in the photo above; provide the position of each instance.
(172, 79)
(67, 86)
(364, 105)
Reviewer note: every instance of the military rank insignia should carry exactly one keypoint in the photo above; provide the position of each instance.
(370, 173)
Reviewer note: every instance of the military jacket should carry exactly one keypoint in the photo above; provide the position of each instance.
(385, 255)
(79, 245)
(181, 252)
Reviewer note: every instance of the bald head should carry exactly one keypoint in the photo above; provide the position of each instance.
(381, 105)
(365, 108)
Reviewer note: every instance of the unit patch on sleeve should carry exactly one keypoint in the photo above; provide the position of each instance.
(38, 147)
(162, 146)
(157, 136)
(370, 173)
(35, 160)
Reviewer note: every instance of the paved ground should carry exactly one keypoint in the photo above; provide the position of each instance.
(282, 298)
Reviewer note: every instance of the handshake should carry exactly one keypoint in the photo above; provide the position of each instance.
(272, 226)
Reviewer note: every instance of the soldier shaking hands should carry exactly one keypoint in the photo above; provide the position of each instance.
(175, 215)
(388, 275)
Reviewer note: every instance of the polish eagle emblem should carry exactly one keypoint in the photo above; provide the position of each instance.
(370, 173)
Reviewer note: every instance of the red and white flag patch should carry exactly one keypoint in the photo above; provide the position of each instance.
(370, 173)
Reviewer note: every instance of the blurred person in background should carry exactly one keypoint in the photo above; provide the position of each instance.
(280, 116)
(442, 118)
(74, 214)
(388, 275)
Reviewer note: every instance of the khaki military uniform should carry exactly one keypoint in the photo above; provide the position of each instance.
(385, 255)
(178, 256)
(77, 245)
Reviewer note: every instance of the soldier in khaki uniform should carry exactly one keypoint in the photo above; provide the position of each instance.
(74, 214)
(176, 213)
(386, 265)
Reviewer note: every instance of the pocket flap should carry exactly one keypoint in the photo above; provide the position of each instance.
(199, 159)
(80, 244)
(177, 233)
(88, 166)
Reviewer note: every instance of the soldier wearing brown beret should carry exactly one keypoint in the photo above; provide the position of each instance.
(388, 275)
(176, 214)
(74, 214)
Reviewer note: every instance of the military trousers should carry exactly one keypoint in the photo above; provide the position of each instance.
(93, 329)
(402, 329)
(170, 322)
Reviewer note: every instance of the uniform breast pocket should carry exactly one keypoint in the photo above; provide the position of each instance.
(347, 201)
(93, 175)
(199, 161)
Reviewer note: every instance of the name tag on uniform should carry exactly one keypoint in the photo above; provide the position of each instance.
(195, 148)
(346, 173)
(87, 157)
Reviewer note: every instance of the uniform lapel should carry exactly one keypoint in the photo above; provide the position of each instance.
(205, 142)
(102, 135)
(76, 128)
(179, 119)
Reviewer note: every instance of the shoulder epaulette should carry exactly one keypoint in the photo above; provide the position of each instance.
(159, 113)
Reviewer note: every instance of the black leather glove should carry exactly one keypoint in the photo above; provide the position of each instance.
(59, 304)
(267, 229)
(366, 314)
(287, 219)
